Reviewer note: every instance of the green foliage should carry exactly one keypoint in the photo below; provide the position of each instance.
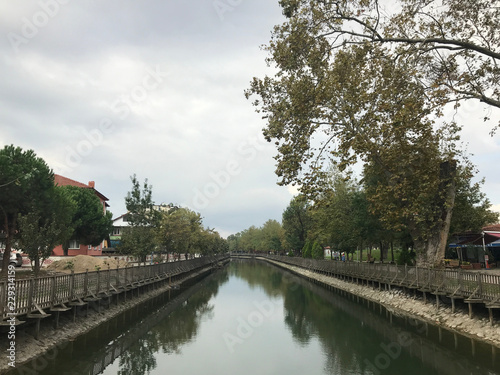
(307, 250)
(269, 237)
(472, 209)
(139, 239)
(90, 224)
(296, 222)
(366, 102)
(453, 45)
(26, 182)
(317, 251)
(179, 231)
(41, 231)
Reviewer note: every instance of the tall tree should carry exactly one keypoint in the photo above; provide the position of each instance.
(454, 44)
(296, 223)
(359, 105)
(334, 214)
(90, 225)
(25, 181)
(46, 226)
(472, 209)
(139, 238)
(272, 236)
(179, 231)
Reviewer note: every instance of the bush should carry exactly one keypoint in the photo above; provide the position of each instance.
(406, 257)
(307, 250)
(317, 251)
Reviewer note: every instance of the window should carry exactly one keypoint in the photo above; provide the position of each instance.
(116, 231)
(73, 244)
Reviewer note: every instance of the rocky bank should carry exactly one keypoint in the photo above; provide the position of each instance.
(403, 304)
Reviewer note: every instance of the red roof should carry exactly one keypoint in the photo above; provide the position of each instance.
(65, 181)
(492, 228)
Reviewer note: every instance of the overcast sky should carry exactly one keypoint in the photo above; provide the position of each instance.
(105, 89)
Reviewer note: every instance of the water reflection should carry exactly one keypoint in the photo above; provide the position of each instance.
(311, 329)
(360, 337)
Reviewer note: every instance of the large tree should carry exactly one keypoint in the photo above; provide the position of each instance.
(90, 225)
(25, 181)
(47, 225)
(297, 222)
(180, 232)
(454, 44)
(360, 105)
(139, 238)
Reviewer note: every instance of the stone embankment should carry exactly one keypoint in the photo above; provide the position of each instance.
(401, 303)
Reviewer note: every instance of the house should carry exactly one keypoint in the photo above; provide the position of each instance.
(76, 248)
(119, 224)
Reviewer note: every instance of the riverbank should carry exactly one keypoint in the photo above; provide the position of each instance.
(401, 303)
(50, 339)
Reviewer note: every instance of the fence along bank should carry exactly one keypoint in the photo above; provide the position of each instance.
(38, 298)
(470, 286)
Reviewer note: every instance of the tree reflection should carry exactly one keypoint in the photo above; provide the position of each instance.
(178, 327)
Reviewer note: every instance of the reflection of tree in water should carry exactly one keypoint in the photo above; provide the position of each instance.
(176, 329)
(312, 312)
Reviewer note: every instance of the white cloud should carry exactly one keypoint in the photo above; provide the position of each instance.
(66, 81)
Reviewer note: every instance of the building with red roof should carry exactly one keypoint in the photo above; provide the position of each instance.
(76, 248)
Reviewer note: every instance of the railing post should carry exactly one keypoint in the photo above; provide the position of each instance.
(30, 295)
(460, 281)
(72, 285)
(86, 284)
(53, 290)
(108, 286)
(98, 286)
(480, 284)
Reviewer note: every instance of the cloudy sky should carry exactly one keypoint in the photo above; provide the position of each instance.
(105, 89)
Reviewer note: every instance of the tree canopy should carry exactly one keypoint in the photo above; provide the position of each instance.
(355, 83)
(454, 44)
(26, 181)
(139, 238)
(90, 225)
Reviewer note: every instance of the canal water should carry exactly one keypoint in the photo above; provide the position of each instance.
(254, 318)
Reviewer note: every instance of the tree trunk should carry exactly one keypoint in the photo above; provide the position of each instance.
(392, 252)
(36, 267)
(9, 231)
(431, 251)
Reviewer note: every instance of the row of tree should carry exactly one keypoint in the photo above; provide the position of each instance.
(269, 237)
(342, 219)
(369, 82)
(177, 230)
(37, 215)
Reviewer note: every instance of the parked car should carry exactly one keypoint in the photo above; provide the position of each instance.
(15, 259)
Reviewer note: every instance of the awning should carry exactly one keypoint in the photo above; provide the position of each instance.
(477, 238)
